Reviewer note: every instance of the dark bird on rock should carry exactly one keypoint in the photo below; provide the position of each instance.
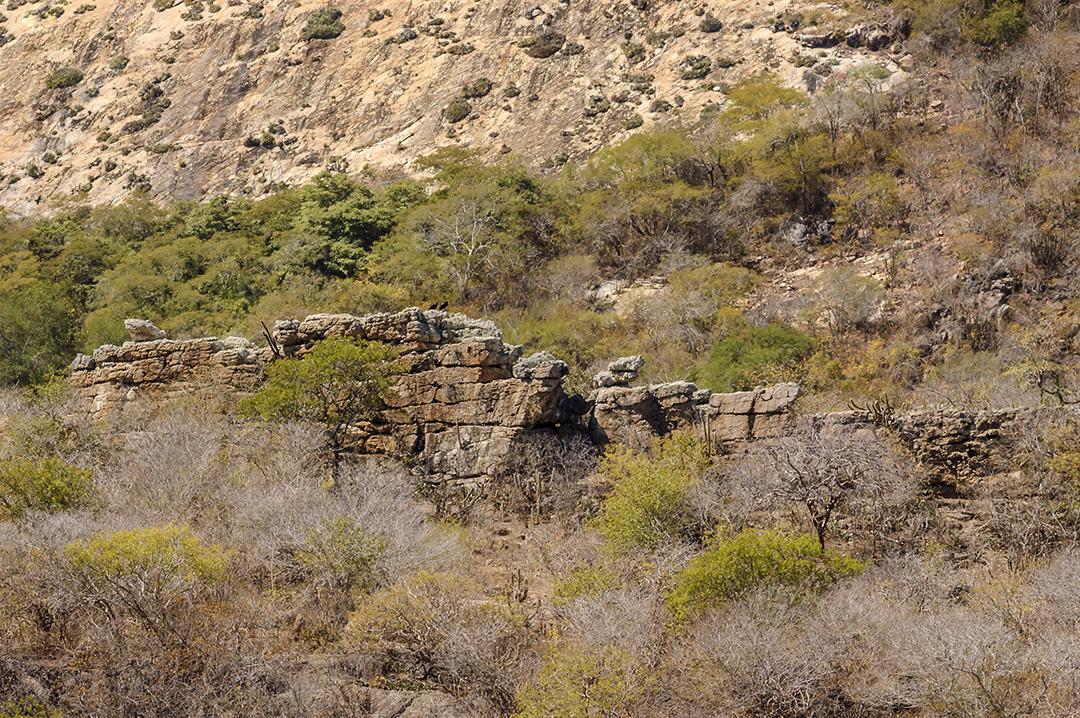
(444, 305)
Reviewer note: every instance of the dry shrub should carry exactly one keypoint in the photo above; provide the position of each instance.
(436, 630)
(544, 476)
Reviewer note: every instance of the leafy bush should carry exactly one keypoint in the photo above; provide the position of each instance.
(149, 575)
(647, 506)
(340, 383)
(1003, 24)
(64, 77)
(695, 67)
(748, 355)
(43, 485)
(39, 321)
(709, 24)
(577, 682)
(157, 555)
(585, 580)
(322, 24)
(479, 87)
(457, 110)
(28, 707)
(342, 556)
(754, 558)
(872, 203)
(544, 44)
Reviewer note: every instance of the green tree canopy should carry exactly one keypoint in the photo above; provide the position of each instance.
(339, 384)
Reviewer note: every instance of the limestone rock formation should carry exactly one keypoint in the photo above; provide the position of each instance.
(621, 372)
(633, 415)
(114, 375)
(467, 397)
(143, 330)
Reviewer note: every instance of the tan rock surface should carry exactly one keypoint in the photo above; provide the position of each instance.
(230, 98)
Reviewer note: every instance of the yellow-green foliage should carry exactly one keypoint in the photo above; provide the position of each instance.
(647, 506)
(28, 707)
(730, 567)
(167, 551)
(871, 203)
(340, 382)
(1002, 24)
(718, 285)
(1063, 441)
(585, 580)
(412, 611)
(746, 355)
(342, 555)
(582, 682)
(41, 484)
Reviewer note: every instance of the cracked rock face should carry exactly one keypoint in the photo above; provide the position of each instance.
(464, 400)
(467, 397)
(633, 415)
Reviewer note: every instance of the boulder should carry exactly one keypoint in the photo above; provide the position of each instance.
(143, 330)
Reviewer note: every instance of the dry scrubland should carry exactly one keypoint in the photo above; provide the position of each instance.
(884, 243)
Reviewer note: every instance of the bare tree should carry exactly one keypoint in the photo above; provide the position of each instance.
(829, 469)
(466, 238)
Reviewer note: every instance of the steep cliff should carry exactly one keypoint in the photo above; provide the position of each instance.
(190, 99)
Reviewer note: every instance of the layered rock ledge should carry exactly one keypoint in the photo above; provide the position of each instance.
(466, 396)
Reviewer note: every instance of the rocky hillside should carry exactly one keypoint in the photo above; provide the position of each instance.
(193, 99)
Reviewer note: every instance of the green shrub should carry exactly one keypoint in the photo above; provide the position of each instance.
(64, 77)
(872, 202)
(479, 87)
(585, 580)
(342, 556)
(1003, 24)
(119, 62)
(634, 52)
(647, 506)
(695, 67)
(44, 485)
(710, 24)
(28, 707)
(748, 355)
(545, 44)
(340, 383)
(457, 110)
(322, 24)
(754, 558)
(162, 552)
(580, 682)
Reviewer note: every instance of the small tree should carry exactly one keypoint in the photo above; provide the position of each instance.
(827, 470)
(649, 505)
(339, 385)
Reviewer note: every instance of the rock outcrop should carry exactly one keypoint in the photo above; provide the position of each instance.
(466, 396)
(633, 415)
(113, 376)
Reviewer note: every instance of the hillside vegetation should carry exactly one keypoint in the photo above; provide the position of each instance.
(889, 242)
